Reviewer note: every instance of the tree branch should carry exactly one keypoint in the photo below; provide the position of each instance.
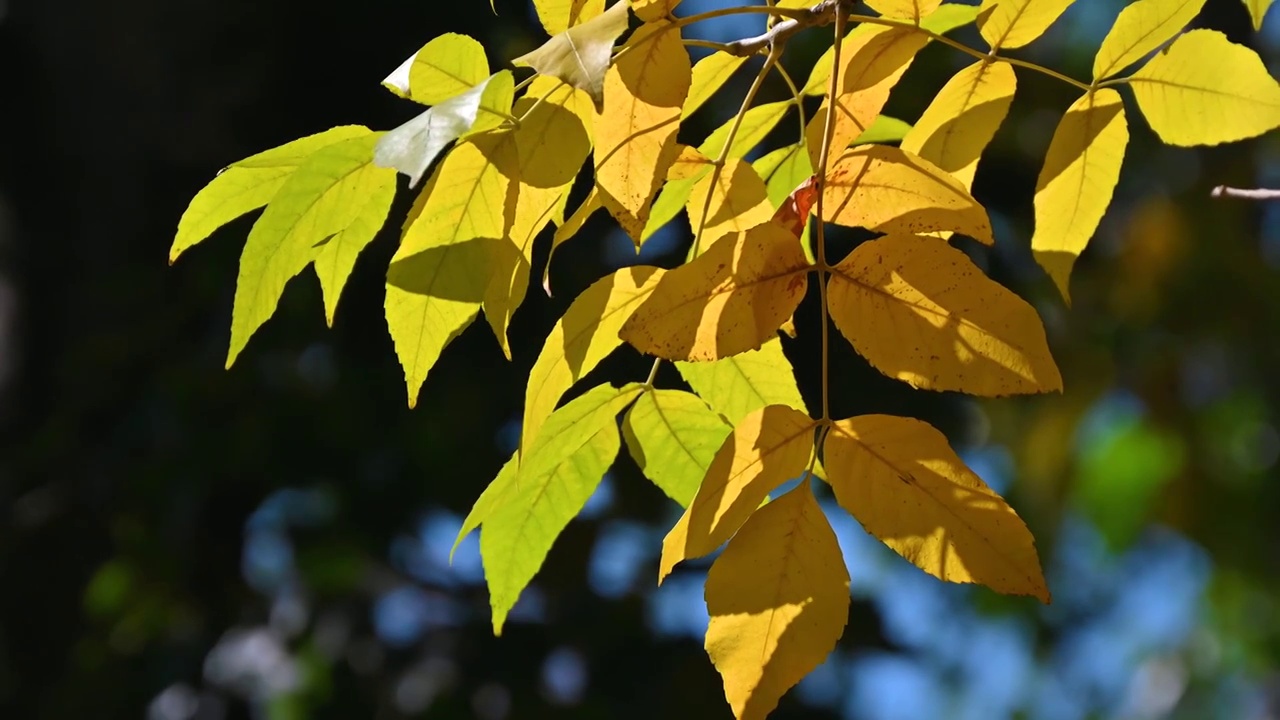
(1246, 194)
(824, 13)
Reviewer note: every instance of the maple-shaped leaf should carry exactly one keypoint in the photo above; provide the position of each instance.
(414, 146)
(709, 75)
(728, 300)
(1257, 11)
(1143, 26)
(1015, 23)
(1189, 100)
(584, 336)
(778, 597)
(248, 185)
(768, 448)
(557, 475)
(913, 10)
(900, 478)
(673, 436)
(313, 207)
(445, 67)
(580, 55)
(636, 131)
(560, 15)
(737, 386)
(737, 201)
(963, 118)
(920, 311)
(1079, 175)
(890, 190)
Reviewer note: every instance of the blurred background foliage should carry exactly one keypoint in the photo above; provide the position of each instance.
(179, 542)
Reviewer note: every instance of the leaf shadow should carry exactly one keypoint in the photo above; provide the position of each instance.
(458, 271)
(989, 114)
(1085, 123)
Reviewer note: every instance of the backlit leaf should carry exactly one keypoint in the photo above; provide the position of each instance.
(728, 300)
(335, 195)
(248, 185)
(449, 65)
(636, 132)
(689, 167)
(963, 118)
(709, 75)
(557, 475)
(673, 436)
(920, 311)
(649, 10)
(1143, 26)
(948, 17)
(1014, 23)
(1205, 90)
(568, 229)
(904, 483)
(738, 201)
(768, 448)
(737, 386)
(560, 15)
(756, 124)
(883, 129)
(586, 334)
(1257, 11)
(580, 55)
(890, 190)
(778, 598)
(1080, 172)
(913, 10)
(493, 497)
(782, 170)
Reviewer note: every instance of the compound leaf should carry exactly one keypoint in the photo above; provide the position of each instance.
(1014, 23)
(1142, 27)
(739, 385)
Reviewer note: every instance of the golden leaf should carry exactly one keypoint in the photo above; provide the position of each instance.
(738, 201)
(1143, 26)
(963, 118)
(1014, 23)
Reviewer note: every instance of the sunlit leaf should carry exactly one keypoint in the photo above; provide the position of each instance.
(778, 598)
(737, 201)
(649, 10)
(782, 170)
(673, 436)
(904, 483)
(963, 118)
(1205, 90)
(336, 195)
(890, 190)
(560, 15)
(586, 334)
(768, 448)
(756, 124)
(1143, 26)
(920, 311)
(913, 10)
(1075, 186)
(709, 75)
(737, 386)
(449, 65)
(1257, 11)
(557, 475)
(883, 129)
(948, 17)
(728, 300)
(580, 55)
(636, 132)
(689, 167)
(248, 185)
(1014, 23)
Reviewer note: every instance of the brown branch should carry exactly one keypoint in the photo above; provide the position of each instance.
(824, 13)
(1245, 193)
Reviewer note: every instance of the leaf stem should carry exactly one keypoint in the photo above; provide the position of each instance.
(820, 235)
(741, 10)
(796, 97)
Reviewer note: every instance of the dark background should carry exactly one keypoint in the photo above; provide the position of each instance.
(181, 541)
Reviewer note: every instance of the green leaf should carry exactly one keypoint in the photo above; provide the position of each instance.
(581, 54)
(883, 129)
(737, 386)
(314, 206)
(248, 185)
(948, 17)
(414, 146)
(557, 476)
(709, 75)
(493, 496)
(673, 436)
(449, 65)
(757, 123)
(783, 170)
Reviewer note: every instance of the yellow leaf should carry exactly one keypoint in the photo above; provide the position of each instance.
(913, 10)
(740, 385)
(586, 334)
(904, 483)
(650, 10)
(1205, 90)
(1080, 172)
(314, 206)
(757, 123)
(248, 185)
(783, 170)
(920, 311)
(963, 117)
(779, 599)
(636, 133)
(890, 190)
(871, 66)
(568, 229)
(580, 55)
(1143, 26)
(709, 75)
(768, 448)
(728, 300)
(738, 201)
(560, 15)
(1014, 23)
(449, 65)
(1257, 11)
(673, 436)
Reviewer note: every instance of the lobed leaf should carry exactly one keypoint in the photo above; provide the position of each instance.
(580, 55)
(1206, 90)
(730, 299)
(964, 116)
(768, 448)
(1075, 186)
(778, 598)
(313, 207)
(891, 190)
(1015, 23)
(739, 385)
(1142, 26)
(904, 483)
(673, 436)
(920, 311)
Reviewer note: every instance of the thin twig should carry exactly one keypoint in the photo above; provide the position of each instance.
(1245, 193)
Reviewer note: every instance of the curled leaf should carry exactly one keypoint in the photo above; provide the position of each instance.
(580, 55)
